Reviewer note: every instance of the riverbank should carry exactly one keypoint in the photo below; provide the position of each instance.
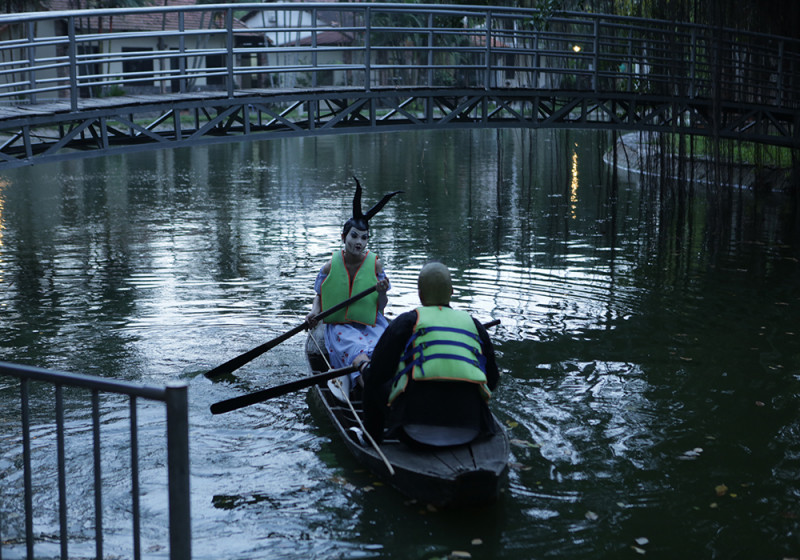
(641, 153)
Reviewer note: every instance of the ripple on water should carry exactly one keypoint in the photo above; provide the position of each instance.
(640, 369)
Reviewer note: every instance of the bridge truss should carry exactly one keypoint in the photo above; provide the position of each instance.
(55, 131)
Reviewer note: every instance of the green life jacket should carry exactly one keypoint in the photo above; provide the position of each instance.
(338, 287)
(444, 346)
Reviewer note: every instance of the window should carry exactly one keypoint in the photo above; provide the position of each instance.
(88, 70)
(138, 70)
(215, 64)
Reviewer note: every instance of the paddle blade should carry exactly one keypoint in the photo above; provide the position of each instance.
(242, 359)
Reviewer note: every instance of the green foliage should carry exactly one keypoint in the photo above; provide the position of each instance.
(94, 4)
(734, 151)
(16, 6)
(751, 15)
(115, 91)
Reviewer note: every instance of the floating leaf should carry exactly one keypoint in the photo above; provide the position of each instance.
(721, 489)
(512, 424)
(641, 541)
(592, 516)
(638, 550)
(477, 542)
(524, 443)
(460, 554)
(691, 454)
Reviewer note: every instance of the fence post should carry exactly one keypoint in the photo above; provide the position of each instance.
(183, 86)
(367, 54)
(180, 537)
(98, 474)
(692, 64)
(487, 77)
(779, 76)
(229, 47)
(31, 60)
(314, 60)
(596, 59)
(430, 74)
(73, 66)
(26, 464)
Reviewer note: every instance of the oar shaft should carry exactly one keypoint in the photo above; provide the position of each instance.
(278, 390)
(250, 355)
(259, 396)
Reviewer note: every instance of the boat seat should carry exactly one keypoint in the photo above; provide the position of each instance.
(440, 436)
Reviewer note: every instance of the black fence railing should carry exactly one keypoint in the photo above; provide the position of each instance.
(28, 502)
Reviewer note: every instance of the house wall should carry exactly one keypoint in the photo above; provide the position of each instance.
(111, 63)
(289, 32)
(13, 58)
(283, 27)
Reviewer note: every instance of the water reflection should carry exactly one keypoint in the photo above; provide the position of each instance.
(648, 343)
(3, 185)
(573, 193)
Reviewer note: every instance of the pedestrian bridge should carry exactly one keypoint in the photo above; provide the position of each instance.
(75, 85)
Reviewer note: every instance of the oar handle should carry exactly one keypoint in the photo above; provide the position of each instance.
(259, 396)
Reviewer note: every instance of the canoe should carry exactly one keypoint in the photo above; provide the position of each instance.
(464, 475)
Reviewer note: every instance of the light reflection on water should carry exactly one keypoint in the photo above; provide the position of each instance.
(630, 338)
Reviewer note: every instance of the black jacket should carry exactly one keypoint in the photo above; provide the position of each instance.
(444, 403)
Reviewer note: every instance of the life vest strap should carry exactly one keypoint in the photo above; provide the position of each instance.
(464, 332)
(479, 362)
(424, 345)
(407, 351)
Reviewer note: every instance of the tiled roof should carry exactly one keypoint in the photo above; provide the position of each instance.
(154, 21)
(327, 37)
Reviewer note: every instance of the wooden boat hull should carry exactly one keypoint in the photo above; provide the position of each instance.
(464, 475)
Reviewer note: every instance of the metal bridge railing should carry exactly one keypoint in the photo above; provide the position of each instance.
(174, 396)
(80, 55)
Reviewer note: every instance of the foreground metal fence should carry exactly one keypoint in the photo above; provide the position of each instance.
(182, 73)
(177, 449)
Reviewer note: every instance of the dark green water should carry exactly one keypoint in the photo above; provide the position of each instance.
(650, 344)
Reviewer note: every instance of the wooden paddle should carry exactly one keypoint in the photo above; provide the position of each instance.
(266, 394)
(260, 396)
(242, 359)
